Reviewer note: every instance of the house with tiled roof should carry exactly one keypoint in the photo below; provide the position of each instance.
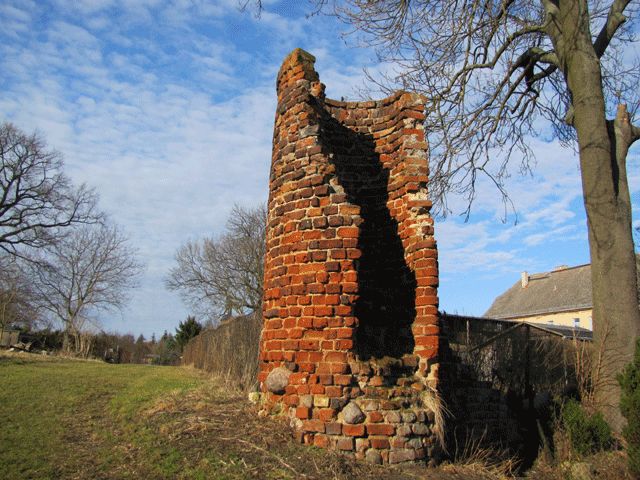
(560, 297)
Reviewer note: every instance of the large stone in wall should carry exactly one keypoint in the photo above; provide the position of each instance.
(352, 414)
(351, 272)
(277, 380)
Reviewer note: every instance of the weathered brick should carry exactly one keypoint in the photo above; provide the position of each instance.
(375, 417)
(335, 357)
(313, 426)
(303, 413)
(345, 444)
(353, 430)
(342, 379)
(326, 414)
(348, 232)
(333, 428)
(321, 440)
(379, 442)
(380, 429)
(402, 455)
(333, 391)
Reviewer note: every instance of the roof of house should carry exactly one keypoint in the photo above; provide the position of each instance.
(563, 289)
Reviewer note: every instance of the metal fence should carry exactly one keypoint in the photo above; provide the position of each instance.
(519, 358)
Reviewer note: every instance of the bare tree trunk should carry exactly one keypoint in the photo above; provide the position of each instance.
(603, 148)
(77, 343)
(613, 272)
(86, 339)
(66, 342)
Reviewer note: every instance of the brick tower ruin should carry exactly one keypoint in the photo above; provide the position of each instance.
(350, 340)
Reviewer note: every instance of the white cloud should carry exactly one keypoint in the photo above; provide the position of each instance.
(19, 17)
(167, 109)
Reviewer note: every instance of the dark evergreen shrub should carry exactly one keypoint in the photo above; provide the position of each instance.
(630, 407)
(587, 433)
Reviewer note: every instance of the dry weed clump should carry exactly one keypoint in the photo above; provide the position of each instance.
(432, 399)
(474, 459)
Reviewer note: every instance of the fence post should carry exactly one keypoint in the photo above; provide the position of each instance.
(527, 369)
(468, 332)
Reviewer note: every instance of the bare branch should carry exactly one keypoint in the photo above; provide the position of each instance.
(467, 58)
(18, 300)
(219, 277)
(91, 269)
(615, 19)
(37, 201)
(635, 131)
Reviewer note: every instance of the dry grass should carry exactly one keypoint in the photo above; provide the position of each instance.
(218, 419)
(474, 456)
(433, 401)
(230, 351)
(601, 466)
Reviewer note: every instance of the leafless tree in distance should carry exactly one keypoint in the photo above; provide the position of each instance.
(18, 299)
(91, 269)
(223, 276)
(495, 73)
(37, 201)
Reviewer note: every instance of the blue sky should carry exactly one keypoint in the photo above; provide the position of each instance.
(166, 107)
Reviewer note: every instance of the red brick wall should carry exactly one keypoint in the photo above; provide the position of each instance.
(351, 275)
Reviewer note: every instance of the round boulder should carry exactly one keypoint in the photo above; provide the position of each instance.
(353, 414)
(277, 380)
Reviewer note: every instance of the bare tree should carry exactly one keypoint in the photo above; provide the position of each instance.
(491, 70)
(223, 276)
(37, 201)
(91, 269)
(18, 299)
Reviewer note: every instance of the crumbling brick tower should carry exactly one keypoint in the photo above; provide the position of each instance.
(350, 341)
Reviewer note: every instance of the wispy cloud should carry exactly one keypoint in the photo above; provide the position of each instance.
(167, 108)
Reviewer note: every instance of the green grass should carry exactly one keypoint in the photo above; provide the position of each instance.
(61, 418)
(66, 419)
(69, 419)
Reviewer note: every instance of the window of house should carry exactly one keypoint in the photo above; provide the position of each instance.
(576, 323)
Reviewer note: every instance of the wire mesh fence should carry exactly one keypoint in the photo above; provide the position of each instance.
(519, 358)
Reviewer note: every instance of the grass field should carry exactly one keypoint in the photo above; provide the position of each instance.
(70, 419)
(73, 419)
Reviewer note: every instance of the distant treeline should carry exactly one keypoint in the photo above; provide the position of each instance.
(111, 347)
